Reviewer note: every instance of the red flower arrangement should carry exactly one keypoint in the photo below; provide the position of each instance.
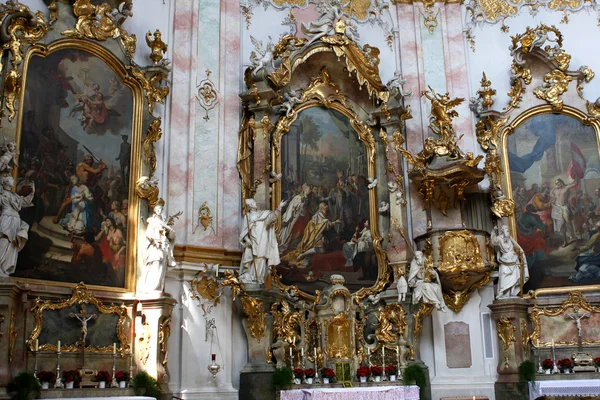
(328, 373)
(103, 376)
(547, 364)
(363, 371)
(564, 364)
(597, 361)
(71, 376)
(298, 373)
(391, 370)
(309, 373)
(122, 376)
(376, 370)
(47, 376)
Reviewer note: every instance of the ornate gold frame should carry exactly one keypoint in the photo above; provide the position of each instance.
(135, 167)
(323, 92)
(575, 300)
(80, 295)
(507, 186)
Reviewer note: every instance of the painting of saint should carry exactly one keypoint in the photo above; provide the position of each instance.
(74, 145)
(555, 180)
(325, 227)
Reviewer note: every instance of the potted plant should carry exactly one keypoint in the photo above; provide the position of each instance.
(25, 386)
(71, 378)
(102, 377)
(145, 385)
(309, 375)
(46, 378)
(362, 372)
(415, 374)
(547, 365)
(328, 375)
(565, 365)
(122, 377)
(597, 363)
(298, 375)
(391, 371)
(282, 377)
(376, 371)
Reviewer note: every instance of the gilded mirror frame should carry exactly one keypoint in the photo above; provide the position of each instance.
(507, 185)
(322, 92)
(135, 167)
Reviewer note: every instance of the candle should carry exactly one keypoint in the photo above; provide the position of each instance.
(214, 357)
(383, 357)
(114, 348)
(58, 347)
(315, 352)
(368, 351)
(302, 351)
(36, 345)
(291, 357)
(397, 350)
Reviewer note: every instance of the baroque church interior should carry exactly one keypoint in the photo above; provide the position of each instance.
(298, 199)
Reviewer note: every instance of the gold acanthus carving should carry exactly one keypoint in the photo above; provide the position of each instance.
(285, 322)
(208, 289)
(12, 336)
(575, 301)
(425, 311)
(80, 295)
(22, 27)
(157, 46)
(525, 335)
(93, 22)
(144, 341)
(232, 280)
(506, 333)
(256, 318)
(152, 83)
(153, 135)
(164, 332)
(147, 189)
(391, 323)
(555, 84)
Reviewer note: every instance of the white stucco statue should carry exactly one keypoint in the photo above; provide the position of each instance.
(8, 159)
(259, 242)
(402, 288)
(13, 231)
(160, 240)
(510, 256)
(425, 281)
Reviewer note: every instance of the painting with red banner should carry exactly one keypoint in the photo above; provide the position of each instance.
(555, 182)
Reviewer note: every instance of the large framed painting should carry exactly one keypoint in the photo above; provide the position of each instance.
(329, 225)
(554, 181)
(80, 117)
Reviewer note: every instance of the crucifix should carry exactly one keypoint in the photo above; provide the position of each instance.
(577, 317)
(83, 317)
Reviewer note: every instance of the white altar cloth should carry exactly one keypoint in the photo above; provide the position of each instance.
(355, 393)
(580, 387)
(105, 398)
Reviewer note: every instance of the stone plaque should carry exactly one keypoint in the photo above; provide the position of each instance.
(458, 345)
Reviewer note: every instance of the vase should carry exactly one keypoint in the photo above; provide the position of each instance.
(566, 371)
(45, 385)
(392, 378)
(598, 369)
(102, 385)
(547, 371)
(377, 379)
(122, 384)
(70, 385)
(363, 379)
(326, 380)
(309, 381)
(297, 381)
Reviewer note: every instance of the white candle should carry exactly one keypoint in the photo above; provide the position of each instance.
(291, 352)
(302, 351)
(36, 345)
(58, 347)
(114, 348)
(368, 351)
(397, 350)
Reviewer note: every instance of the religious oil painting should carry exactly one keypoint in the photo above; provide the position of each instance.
(555, 181)
(325, 227)
(75, 146)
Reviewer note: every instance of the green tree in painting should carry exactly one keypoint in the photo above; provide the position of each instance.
(309, 137)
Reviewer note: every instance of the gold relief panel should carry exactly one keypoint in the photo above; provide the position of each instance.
(506, 333)
(339, 337)
(391, 323)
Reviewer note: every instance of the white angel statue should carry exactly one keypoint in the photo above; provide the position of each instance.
(262, 55)
(290, 99)
(9, 154)
(395, 85)
(331, 13)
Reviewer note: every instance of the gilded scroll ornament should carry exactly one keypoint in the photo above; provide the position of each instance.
(153, 135)
(147, 188)
(256, 317)
(152, 83)
(157, 46)
(245, 158)
(12, 336)
(144, 342)
(391, 323)
(232, 280)
(164, 332)
(285, 322)
(425, 311)
(93, 22)
(129, 43)
(506, 333)
(206, 289)
(205, 218)
(555, 84)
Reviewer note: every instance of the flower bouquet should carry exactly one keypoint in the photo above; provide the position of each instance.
(102, 377)
(363, 372)
(46, 378)
(328, 375)
(377, 371)
(391, 371)
(298, 375)
(565, 365)
(122, 377)
(309, 375)
(71, 378)
(547, 365)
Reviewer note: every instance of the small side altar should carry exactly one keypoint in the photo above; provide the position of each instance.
(565, 387)
(366, 392)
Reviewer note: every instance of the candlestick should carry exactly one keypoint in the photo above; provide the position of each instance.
(302, 351)
(114, 348)
(58, 383)
(58, 347)
(114, 383)
(37, 345)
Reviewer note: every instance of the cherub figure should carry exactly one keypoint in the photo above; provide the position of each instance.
(8, 158)
(395, 86)
(325, 25)
(262, 55)
(290, 99)
(441, 113)
(157, 46)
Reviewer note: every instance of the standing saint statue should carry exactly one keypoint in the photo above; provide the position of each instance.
(510, 257)
(425, 281)
(159, 251)
(259, 242)
(13, 230)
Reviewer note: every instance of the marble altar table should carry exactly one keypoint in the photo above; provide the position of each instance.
(354, 393)
(570, 387)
